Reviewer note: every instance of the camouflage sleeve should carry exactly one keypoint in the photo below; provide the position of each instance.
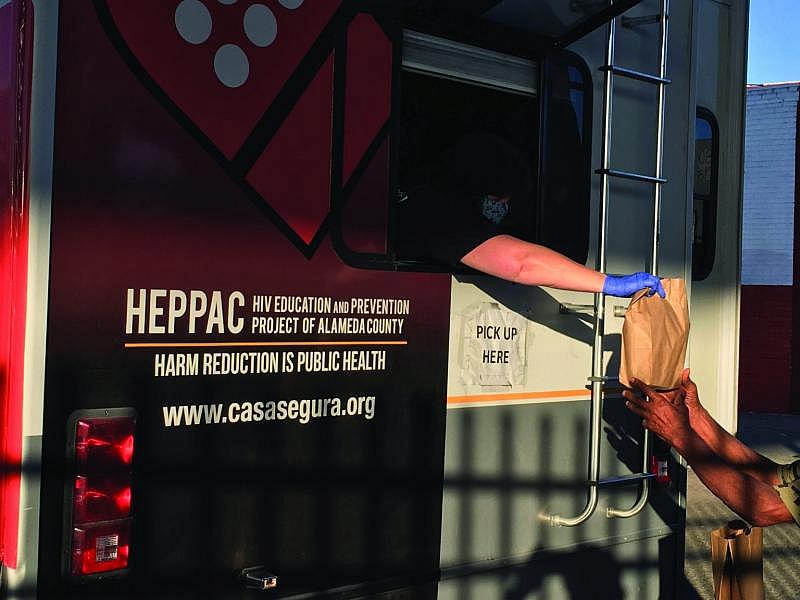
(789, 488)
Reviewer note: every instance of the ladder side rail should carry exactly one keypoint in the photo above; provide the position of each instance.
(641, 501)
(596, 404)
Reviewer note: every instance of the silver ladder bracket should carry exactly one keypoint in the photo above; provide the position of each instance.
(258, 578)
(623, 479)
(566, 308)
(630, 22)
(609, 385)
(603, 379)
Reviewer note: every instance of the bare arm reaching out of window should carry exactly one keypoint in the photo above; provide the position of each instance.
(481, 181)
(510, 258)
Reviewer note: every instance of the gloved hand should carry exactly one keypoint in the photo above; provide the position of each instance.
(627, 285)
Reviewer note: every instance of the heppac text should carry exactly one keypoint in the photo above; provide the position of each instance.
(154, 311)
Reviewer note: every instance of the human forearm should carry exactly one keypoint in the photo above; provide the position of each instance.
(531, 264)
(750, 497)
(545, 267)
(730, 449)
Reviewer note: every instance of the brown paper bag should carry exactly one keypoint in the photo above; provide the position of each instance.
(737, 562)
(654, 337)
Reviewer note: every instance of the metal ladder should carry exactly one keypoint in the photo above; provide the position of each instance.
(606, 171)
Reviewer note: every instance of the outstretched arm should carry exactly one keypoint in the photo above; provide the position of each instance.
(729, 449)
(752, 499)
(667, 416)
(519, 261)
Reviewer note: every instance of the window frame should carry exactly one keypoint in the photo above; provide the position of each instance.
(540, 61)
(702, 270)
(570, 59)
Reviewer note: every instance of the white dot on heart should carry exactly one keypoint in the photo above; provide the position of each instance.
(193, 21)
(290, 4)
(231, 65)
(260, 25)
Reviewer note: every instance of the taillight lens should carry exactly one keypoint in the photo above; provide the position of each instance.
(104, 443)
(100, 548)
(99, 533)
(101, 498)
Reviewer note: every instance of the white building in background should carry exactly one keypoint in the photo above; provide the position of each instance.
(769, 184)
(769, 345)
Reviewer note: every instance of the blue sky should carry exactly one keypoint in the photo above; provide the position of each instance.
(774, 46)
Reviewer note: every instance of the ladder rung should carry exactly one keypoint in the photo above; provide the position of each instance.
(638, 75)
(632, 176)
(626, 479)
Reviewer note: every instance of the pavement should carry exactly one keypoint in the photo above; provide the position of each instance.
(776, 437)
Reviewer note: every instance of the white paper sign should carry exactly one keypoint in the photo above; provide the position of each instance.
(493, 346)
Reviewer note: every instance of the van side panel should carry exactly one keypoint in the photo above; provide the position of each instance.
(720, 78)
(298, 422)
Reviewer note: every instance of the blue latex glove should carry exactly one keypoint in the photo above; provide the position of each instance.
(627, 285)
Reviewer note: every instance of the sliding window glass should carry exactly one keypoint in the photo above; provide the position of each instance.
(706, 161)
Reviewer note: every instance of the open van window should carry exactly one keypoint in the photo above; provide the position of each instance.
(465, 149)
(477, 136)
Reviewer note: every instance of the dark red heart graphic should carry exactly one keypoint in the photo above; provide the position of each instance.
(222, 64)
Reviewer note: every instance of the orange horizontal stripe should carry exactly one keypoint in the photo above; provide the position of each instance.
(484, 398)
(258, 344)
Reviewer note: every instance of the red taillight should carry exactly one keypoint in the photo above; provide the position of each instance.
(100, 548)
(104, 443)
(101, 498)
(100, 524)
